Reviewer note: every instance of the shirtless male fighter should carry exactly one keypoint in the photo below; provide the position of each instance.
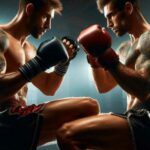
(24, 127)
(129, 68)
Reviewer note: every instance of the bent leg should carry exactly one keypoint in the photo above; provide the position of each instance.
(58, 112)
(102, 132)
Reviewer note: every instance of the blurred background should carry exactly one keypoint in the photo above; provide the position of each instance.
(77, 15)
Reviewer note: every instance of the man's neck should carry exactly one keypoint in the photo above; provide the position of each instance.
(16, 27)
(138, 26)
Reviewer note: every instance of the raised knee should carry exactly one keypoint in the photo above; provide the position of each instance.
(91, 104)
(64, 133)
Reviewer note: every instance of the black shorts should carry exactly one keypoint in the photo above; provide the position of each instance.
(139, 123)
(19, 128)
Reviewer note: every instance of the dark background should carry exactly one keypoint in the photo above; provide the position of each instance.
(77, 15)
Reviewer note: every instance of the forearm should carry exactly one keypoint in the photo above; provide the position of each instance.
(48, 83)
(10, 84)
(103, 80)
(131, 81)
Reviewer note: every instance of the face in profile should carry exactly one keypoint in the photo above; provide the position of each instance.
(116, 19)
(40, 21)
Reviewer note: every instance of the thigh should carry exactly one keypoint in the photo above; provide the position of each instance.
(103, 131)
(58, 112)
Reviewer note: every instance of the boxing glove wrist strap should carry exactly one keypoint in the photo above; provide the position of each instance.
(93, 61)
(108, 59)
(31, 68)
(61, 68)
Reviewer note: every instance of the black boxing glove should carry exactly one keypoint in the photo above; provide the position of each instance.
(62, 67)
(49, 53)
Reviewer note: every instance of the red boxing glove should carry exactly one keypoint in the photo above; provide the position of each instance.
(97, 42)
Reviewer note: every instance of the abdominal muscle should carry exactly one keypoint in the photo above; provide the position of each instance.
(19, 99)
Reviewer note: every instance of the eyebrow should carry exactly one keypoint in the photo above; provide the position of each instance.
(108, 15)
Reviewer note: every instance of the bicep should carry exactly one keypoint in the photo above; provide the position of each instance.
(143, 62)
(144, 44)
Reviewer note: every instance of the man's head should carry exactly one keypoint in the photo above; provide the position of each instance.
(118, 14)
(38, 14)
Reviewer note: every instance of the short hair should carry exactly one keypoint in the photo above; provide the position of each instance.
(54, 4)
(119, 4)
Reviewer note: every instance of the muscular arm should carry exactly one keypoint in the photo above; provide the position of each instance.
(132, 81)
(103, 80)
(136, 81)
(48, 83)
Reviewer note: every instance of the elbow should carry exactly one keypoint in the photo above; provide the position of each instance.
(49, 92)
(105, 87)
(102, 90)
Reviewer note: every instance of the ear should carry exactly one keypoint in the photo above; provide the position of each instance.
(29, 9)
(128, 8)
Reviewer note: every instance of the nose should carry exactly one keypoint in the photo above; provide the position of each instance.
(109, 23)
(48, 24)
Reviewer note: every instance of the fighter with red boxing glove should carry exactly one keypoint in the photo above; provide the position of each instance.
(131, 71)
(96, 42)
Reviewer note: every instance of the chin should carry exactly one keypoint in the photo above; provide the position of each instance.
(119, 34)
(37, 36)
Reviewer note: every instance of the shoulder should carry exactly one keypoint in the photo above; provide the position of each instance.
(143, 61)
(4, 42)
(144, 43)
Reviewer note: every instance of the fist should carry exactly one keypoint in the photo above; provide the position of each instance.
(94, 40)
(71, 46)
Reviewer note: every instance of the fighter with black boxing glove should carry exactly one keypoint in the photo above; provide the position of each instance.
(62, 67)
(49, 53)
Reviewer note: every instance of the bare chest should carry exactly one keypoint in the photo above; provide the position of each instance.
(131, 54)
(15, 55)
